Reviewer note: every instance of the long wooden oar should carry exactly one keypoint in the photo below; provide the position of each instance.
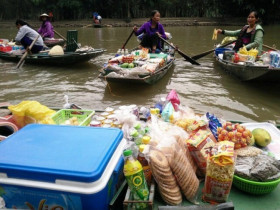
(132, 32)
(189, 59)
(271, 48)
(21, 61)
(210, 51)
(59, 35)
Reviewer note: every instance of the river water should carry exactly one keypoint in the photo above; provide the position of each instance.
(205, 88)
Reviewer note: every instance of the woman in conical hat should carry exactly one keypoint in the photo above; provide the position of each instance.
(46, 29)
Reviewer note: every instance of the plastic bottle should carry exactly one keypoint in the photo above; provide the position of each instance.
(161, 104)
(135, 178)
(146, 139)
(146, 168)
(126, 52)
(137, 137)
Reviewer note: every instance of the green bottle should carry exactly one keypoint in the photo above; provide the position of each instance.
(134, 175)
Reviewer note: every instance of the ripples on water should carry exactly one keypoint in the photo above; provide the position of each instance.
(203, 88)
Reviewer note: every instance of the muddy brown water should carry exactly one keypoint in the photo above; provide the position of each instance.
(205, 88)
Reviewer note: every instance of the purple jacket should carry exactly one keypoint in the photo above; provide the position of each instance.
(46, 30)
(146, 28)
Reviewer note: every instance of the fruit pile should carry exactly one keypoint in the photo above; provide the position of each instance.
(236, 133)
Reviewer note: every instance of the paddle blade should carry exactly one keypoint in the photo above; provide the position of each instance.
(187, 58)
(202, 54)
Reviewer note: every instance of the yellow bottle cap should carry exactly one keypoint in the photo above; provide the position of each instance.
(142, 147)
(146, 139)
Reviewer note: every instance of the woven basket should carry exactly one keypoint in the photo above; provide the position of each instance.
(252, 187)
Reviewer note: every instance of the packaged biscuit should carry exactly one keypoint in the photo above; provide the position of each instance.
(198, 145)
(219, 172)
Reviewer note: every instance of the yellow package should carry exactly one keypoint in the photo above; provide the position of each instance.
(243, 50)
(31, 112)
(253, 52)
(219, 172)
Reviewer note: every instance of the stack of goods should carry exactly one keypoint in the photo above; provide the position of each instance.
(105, 119)
(137, 64)
(179, 147)
(251, 164)
(11, 47)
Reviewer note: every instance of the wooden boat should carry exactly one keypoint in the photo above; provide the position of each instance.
(53, 42)
(249, 72)
(97, 25)
(147, 78)
(44, 59)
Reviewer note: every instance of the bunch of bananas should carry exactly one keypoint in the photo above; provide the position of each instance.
(215, 34)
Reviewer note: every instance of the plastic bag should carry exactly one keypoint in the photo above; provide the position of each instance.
(174, 99)
(28, 112)
(219, 172)
(167, 113)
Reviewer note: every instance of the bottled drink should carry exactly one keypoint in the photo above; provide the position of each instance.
(146, 139)
(134, 175)
(137, 137)
(145, 164)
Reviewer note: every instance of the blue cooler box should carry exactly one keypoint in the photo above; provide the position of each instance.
(60, 167)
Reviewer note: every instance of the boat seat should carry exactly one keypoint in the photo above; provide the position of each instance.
(72, 41)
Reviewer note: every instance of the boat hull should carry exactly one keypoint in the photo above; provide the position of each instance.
(150, 79)
(44, 59)
(249, 72)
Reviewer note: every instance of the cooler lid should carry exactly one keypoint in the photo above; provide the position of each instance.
(50, 152)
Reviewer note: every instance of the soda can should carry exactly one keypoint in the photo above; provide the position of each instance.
(94, 123)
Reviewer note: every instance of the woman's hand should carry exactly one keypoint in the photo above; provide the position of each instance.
(135, 28)
(219, 31)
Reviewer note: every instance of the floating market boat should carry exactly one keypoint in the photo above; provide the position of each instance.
(250, 71)
(137, 67)
(53, 42)
(45, 59)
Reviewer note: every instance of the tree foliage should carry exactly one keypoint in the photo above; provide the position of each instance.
(83, 9)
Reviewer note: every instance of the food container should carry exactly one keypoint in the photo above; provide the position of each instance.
(112, 117)
(104, 114)
(83, 116)
(110, 122)
(100, 119)
(109, 110)
(106, 125)
(61, 167)
(94, 123)
(244, 58)
(228, 54)
(221, 50)
(253, 187)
